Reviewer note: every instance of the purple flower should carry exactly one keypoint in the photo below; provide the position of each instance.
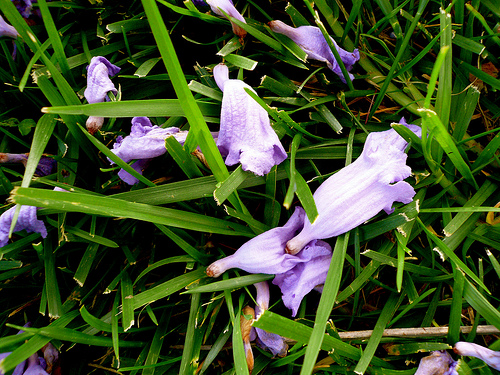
(27, 219)
(304, 277)
(20, 367)
(98, 86)
(490, 357)
(144, 143)
(266, 340)
(264, 253)
(311, 40)
(24, 7)
(437, 363)
(50, 355)
(359, 191)
(226, 6)
(44, 167)
(245, 135)
(7, 30)
(36, 366)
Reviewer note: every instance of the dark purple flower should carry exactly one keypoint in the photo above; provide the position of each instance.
(98, 86)
(226, 6)
(359, 191)
(264, 253)
(245, 135)
(44, 167)
(437, 363)
(304, 277)
(490, 357)
(24, 7)
(7, 30)
(311, 40)
(27, 220)
(146, 141)
(266, 340)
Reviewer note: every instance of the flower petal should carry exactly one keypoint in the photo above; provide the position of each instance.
(245, 135)
(27, 220)
(304, 277)
(7, 30)
(437, 363)
(359, 191)
(98, 81)
(226, 6)
(490, 357)
(312, 42)
(264, 253)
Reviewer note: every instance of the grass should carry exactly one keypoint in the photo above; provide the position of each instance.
(119, 286)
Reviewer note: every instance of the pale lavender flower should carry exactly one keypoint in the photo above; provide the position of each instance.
(266, 340)
(146, 141)
(226, 6)
(98, 86)
(437, 363)
(20, 367)
(264, 253)
(311, 41)
(27, 220)
(359, 191)
(44, 167)
(469, 349)
(7, 30)
(36, 366)
(306, 276)
(245, 135)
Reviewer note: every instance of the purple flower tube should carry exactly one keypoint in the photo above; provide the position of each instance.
(226, 6)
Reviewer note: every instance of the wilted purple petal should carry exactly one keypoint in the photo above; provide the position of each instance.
(20, 367)
(98, 86)
(437, 363)
(34, 366)
(245, 135)
(50, 355)
(266, 340)
(469, 349)
(359, 191)
(312, 41)
(146, 141)
(24, 7)
(27, 220)
(44, 167)
(226, 6)
(264, 253)
(7, 30)
(304, 277)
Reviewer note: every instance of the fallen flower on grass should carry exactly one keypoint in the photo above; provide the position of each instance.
(26, 220)
(469, 349)
(358, 192)
(226, 6)
(245, 135)
(311, 40)
(146, 141)
(7, 30)
(98, 86)
(437, 363)
(44, 167)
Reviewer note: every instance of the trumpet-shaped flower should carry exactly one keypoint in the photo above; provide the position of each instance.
(44, 167)
(359, 191)
(490, 357)
(266, 340)
(311, 41)
(226, 6)
(264, 253)
(437, 363)
(146, 141)
(27, 220)
(304, 277)
(98, 86)
(245, 135)
(7, 30)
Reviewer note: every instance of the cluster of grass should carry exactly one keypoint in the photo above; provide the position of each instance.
(119, 284)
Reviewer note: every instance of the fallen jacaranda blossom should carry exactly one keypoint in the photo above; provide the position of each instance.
(27, 220)
(266, 340)
(146, 141)
(264, 253)
(490, 357)
(311, 41)
(44, 167)
(437, 363)
(359, 191)
(304, 277)
(7, 30)
(98, 86)
(245, 135)
(226, 6)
